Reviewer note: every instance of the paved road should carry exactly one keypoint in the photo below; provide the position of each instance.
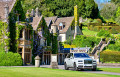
(100, 72)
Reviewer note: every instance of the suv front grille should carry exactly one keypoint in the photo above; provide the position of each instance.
(87, 61)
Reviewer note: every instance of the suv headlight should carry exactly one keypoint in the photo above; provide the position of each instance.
(80, 60)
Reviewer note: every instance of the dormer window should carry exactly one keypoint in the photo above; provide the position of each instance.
(61, 25)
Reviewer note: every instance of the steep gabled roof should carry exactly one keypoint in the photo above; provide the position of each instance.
(2, 5)
(36, 21)
(67, 21)
(49, 19)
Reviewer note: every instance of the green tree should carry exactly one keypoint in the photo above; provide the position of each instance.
(118, 12)
(115, 1)
(118, 16)
(63, 8)
(108, 11)
(91, 9)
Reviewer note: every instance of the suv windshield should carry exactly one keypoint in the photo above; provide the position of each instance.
(81, 55)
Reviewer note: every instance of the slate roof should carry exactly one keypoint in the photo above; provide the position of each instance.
(66, 20)
(2, 5)
(49, 19)
(36, 21)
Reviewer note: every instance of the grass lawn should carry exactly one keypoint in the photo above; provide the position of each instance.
(45, 72)
(116, 70)
(88, 32)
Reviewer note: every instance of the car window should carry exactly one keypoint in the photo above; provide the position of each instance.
(71, 54)
(81, 55)
(68, 55)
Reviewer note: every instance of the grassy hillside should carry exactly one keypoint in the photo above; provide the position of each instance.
(88, 32)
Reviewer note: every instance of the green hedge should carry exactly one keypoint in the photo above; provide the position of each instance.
(10, 59)
(111, 29)
(104, 33)
(110, 56)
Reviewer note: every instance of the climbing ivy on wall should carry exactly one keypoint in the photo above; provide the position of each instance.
(4, 36)
(19, 27)
(73, 24)
(54, 44)
(51, 38)
(17, 9)
(46, 32)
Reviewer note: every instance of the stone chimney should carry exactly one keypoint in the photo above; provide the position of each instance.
(37, 12)
(6, 9)
(33, 13)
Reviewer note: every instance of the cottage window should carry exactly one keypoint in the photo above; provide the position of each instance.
(60, 26)
(20, 51)
(21, 35)
(27, 34)
(63, 26)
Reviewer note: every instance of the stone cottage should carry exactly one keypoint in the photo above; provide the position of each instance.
(34, 37)
(19, 42)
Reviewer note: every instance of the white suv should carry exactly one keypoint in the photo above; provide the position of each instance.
(79, 61)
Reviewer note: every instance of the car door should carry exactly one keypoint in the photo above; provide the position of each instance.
(68, 60)
(71, 61)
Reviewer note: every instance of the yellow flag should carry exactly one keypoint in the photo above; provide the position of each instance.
(76, 15)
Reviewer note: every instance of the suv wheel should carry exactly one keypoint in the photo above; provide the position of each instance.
(65, 65)
(75, 67)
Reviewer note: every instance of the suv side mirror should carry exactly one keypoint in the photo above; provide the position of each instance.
(71, 57)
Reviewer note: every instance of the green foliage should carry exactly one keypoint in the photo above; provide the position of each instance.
(46, 33)
(69, 41)
(63, 8)
(4, 35)
(115, 1)
(115, 30)
(118, 20)
(108, 11)
(103, 33)
(87, 22)
(12, 23)
(54, 44)
(114, 45)
(83, 41)
(95, 21)
(19, 10)
(118, 12)
(10, 59)
(91, 9)
(88, 32)
(109, 56)
(19, 27)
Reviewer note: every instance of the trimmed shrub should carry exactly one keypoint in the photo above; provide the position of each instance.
(115, 30)
(110, 56)
(104, 33)
(10, 59)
